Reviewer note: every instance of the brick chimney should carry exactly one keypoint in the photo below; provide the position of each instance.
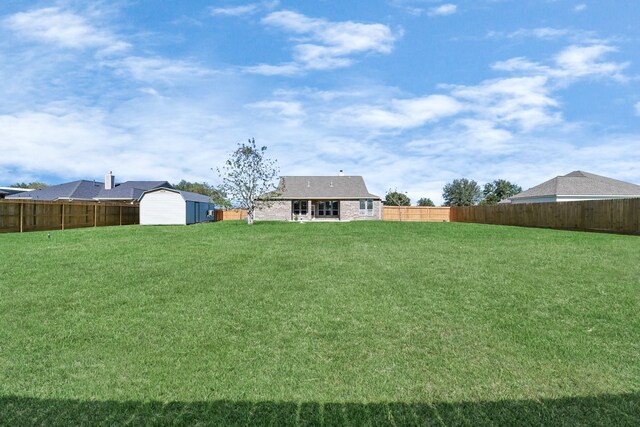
(109, 181)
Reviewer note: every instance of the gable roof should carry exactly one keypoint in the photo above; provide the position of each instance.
(188, 196)
(323, 187)
(580, 183)
(90, 190)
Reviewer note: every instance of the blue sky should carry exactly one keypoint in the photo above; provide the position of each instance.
(411, 94)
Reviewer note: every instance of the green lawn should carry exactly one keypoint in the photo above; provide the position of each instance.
(310, 324)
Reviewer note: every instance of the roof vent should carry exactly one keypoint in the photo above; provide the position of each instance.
(109, 181)
(308, 184)
(341, 172)
(330, 183)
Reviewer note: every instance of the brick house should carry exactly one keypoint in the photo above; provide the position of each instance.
(321, 198)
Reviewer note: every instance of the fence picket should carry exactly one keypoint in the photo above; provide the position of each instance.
(26, 215)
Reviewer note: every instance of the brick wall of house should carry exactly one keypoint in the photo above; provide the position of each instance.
(350, 211)
(278, 211)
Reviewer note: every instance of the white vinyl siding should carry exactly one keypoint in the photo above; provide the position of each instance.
(163, 207)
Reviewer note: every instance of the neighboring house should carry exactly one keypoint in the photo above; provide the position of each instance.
(168, 206)
(7, 191)
(575, 186)
(338, 198)
(82, 190)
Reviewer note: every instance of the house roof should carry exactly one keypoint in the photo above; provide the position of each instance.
(78, 190)
(580, 183)
(130, 190)
(90, 190)
(323, 187)
(14, 190)
(188, 196)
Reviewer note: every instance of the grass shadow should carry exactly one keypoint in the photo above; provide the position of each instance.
(618, 410)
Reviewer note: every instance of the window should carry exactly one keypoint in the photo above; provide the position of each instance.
(300, 207)
(330, 208)
(366, 207)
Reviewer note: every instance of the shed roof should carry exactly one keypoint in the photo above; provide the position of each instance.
(580, 183)
(323, 187)
(188, 196)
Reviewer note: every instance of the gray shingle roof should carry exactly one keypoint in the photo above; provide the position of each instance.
(324, 187)
(130, 190)
(91, 190)
(77, 190)
(195, 197)
(579, 183)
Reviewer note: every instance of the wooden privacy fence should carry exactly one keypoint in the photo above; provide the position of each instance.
(415, 213)
(24, 215)
(613, 216)
(231, 214)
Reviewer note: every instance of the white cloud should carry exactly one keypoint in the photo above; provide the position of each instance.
(401, 114)
(247, 9)
(548, 34)
(157, 69)
(443, 10)
(282, 108)
(288, 69)
(580, 61)
(321, 44)
(517, 101)
(580, 7)
(637, 108)
(62, 28)
(571, 63)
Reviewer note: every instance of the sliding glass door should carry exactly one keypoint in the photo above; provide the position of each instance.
(330, 208)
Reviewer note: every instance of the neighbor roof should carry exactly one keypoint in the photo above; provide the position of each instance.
(90, 190)
(579, 183)
(188, 196)
(77, 190)
(130, 190)
(324, 187)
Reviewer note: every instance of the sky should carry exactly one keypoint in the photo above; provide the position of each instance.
(410, 94)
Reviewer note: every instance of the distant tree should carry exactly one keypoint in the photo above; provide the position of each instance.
(34, 185)
(462, 192)
(498, 190)
(396, 198)
(425, 202)
(248, 177)
(217, 194)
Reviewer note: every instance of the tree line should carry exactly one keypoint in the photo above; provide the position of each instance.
(461, 192)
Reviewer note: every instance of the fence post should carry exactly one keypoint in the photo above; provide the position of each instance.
(120, 215)
(63, 216)
(21, 216)
(95, 215)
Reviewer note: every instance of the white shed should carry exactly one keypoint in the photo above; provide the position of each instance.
(167, 206)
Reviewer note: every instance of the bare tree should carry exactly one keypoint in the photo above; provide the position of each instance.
(248, 177)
